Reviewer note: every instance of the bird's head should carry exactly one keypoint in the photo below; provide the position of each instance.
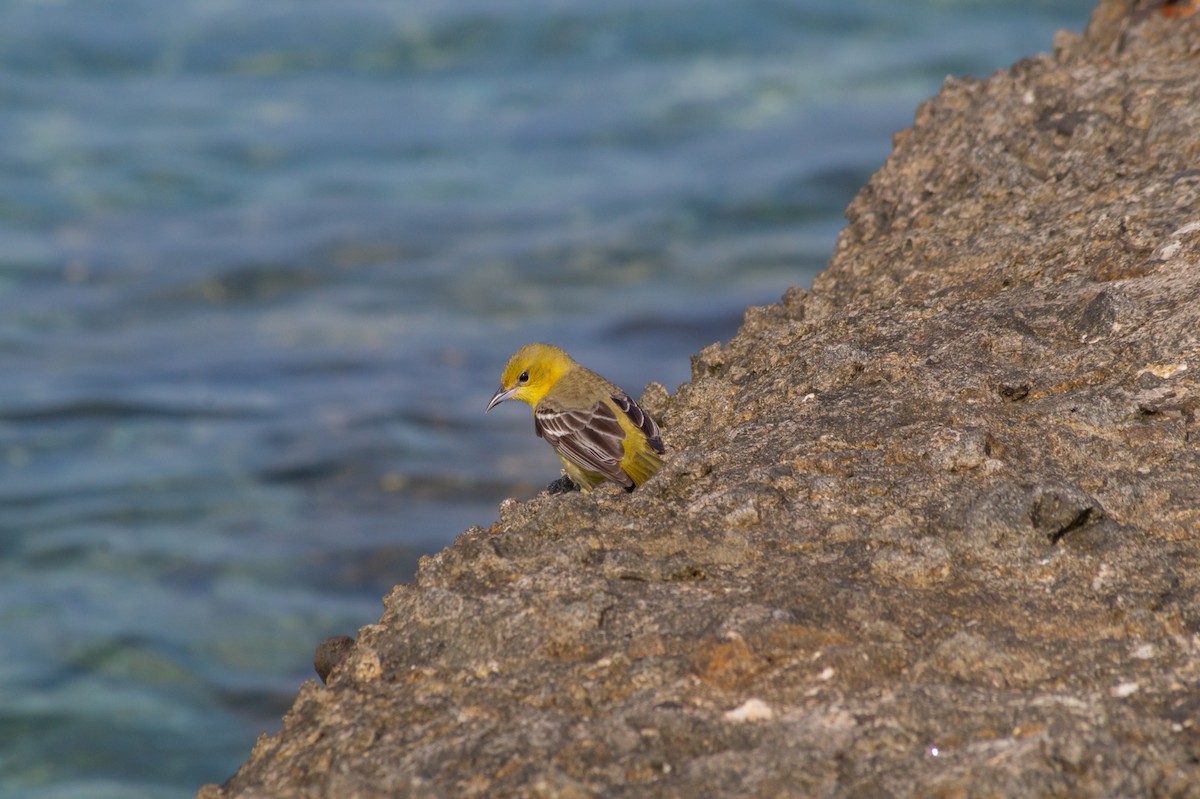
(531, 372)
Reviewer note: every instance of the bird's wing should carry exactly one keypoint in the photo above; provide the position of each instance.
(591, 438)
(642, 420)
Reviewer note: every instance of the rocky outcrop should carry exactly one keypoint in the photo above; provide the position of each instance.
(929, 529)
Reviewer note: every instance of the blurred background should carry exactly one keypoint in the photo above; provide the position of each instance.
(261, 264)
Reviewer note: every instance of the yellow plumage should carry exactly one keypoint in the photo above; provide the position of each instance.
(598, 431)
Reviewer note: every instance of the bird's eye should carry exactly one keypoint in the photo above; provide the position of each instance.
(524, 378)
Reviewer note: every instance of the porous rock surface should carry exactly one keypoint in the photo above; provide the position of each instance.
(929, 529)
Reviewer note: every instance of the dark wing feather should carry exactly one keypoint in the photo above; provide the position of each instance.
(642, 420)
(592, 439)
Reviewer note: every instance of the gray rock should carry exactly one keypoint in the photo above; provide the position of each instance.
(929, 528)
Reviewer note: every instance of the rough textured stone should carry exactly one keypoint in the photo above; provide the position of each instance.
(927, 529)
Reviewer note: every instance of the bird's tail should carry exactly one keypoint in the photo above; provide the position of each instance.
(642, 466)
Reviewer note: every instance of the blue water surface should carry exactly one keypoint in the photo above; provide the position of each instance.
(260, 267)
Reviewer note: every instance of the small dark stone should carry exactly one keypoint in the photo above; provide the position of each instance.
(1058, 509)
(563, 485)
(1148, 379)
(1098, 315)
(1014, 392)
(330, 653)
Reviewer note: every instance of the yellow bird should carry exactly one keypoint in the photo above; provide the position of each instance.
(597, 430)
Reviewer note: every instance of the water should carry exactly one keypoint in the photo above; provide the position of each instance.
(261, 264)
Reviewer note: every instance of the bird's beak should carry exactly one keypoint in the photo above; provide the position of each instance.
(500, 396)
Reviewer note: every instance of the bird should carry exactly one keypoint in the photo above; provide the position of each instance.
(597, 430)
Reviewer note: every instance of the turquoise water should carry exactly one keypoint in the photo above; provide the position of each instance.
(261, 264)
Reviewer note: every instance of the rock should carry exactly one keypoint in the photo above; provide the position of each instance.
(929, 528)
